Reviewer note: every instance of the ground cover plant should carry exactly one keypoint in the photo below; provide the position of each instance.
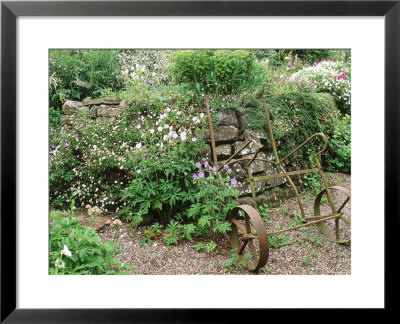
(143, 165)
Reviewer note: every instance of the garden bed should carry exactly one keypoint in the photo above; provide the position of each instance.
(308, 252)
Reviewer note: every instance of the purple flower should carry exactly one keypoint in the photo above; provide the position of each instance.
(53, 146)
(233, 181)
(226, 166)
(198, 165)
(65, 144)
(66, 140)
(194, 176)
(51, 133)
(206, 164)
(214, 168)
(148, 82)
(201, 174)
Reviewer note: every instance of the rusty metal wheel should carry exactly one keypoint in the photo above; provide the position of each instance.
(339, 229)
(249, 236)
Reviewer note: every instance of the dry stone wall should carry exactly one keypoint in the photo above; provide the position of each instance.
(229, 135)
(229, 138)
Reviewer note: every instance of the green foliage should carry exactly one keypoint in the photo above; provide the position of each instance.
(294, 118)
(340, 146)
(281, 239)
(95, 160)
(307, 55)
(76, 250)
(150, 233)
(215, 71)
(209, 247)
(213, 199)
(161, 187)
(77, 74)
(55, 119)
(312, 182)
(305, 260)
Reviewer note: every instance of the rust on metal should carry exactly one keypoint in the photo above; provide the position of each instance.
(241, 235)
(211, 133)
(260, 237)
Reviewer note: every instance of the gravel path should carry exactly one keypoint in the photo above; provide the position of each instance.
(308, 252)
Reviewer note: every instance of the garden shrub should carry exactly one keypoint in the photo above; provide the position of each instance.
(150, 66)
(77, 250)
(331, 77)
(95, 160)
(295, 117)
(213, 71)
(89, 162)
(307, 55)
(78, 74)
(340, 146)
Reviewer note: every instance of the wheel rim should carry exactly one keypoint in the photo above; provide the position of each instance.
(331, 234)
(249, 236)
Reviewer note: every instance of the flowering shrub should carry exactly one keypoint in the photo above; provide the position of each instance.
(75, 249)
(150, 66)
(331, 77)
(95, 160)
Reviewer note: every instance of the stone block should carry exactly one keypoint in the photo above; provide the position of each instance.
(71, 107)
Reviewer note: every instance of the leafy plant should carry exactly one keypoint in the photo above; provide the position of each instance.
(209, 247)
(75, 249)
(214, 198)
(340, 146)
(82, 73)
(214, 71)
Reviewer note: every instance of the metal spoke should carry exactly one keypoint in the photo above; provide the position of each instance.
(243, 247)
(253, 251)
(247, 221)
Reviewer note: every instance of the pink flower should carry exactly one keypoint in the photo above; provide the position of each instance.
(233, 181)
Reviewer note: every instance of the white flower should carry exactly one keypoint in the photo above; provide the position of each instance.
(201, 115)
(138, 145)
(151, 131)
(66, 252)
(194, 139)
(138, 126)
(159, 128)
(183, 136)
(138, 171)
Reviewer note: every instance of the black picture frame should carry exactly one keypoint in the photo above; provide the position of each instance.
(10, 10)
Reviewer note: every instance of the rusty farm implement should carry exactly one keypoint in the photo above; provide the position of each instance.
(249, 235)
